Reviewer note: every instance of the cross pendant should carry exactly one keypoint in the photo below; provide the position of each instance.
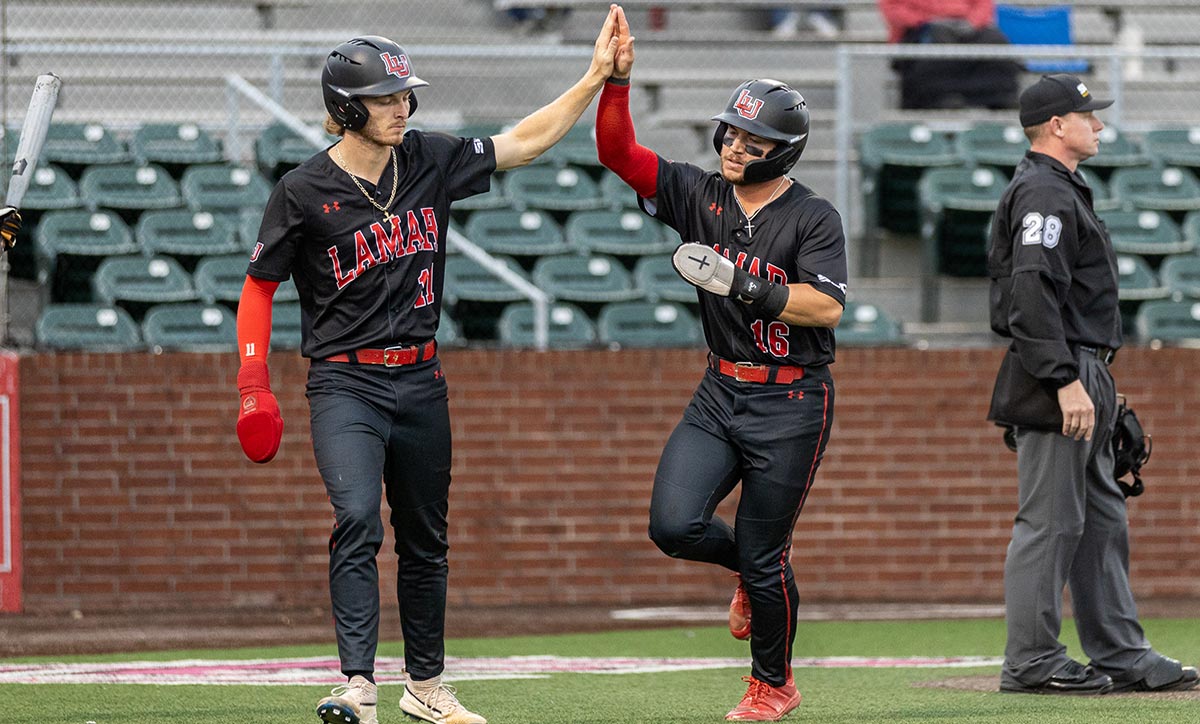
(749, 229)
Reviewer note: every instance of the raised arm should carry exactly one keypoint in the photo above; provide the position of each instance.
(546, 126)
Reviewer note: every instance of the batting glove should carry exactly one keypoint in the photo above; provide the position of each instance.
(259, 425)
(705, 267)
(10, 224)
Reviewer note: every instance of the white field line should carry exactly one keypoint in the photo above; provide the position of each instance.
(323, 671)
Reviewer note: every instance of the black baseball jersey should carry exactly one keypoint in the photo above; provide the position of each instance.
(366, 281)
(1053, 270)
(797, 238)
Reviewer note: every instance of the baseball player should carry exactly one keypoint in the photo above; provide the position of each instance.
(361, 227)
(768, 257)
(1054, 294)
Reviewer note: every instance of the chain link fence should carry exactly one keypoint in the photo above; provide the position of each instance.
(129, 63)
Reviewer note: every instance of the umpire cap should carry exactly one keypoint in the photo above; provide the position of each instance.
(768, 109)
(365, 66)
(1056, 95)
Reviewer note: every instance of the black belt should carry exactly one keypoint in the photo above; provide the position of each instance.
(390, 357)
(1104, 354)
(749, 372)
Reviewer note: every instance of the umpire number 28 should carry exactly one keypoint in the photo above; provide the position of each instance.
(774, 341)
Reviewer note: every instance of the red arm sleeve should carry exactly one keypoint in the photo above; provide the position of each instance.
(254, 319)
(617, 146)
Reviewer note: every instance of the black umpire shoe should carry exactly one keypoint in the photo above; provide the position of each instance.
(1072, 679)
(1189, 678)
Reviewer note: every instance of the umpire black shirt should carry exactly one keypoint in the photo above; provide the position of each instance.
(1053, 273)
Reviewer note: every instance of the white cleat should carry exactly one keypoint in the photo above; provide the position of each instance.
(353, 703)
(440, 706)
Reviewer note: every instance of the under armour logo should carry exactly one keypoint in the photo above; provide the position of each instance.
(713, 207)
(747, 105)
(336, 207)
(396, 65)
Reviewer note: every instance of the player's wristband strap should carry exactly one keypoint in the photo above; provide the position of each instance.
(618, 81)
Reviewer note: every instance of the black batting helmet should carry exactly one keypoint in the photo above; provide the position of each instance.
(364, 67)
(769, 109)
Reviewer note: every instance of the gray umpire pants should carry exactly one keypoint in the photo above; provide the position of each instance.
(1071, 529)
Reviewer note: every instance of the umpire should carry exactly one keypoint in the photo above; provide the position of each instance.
(1054, 295)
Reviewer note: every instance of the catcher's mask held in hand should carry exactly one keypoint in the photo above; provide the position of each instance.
(1131, 449)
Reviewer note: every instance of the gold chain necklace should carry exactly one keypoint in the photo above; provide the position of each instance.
(387, 214)
(749, 226)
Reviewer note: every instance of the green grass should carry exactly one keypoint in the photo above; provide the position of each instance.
(831, 696)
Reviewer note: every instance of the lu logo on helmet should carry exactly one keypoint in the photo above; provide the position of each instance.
(396, 65)
(747, 105)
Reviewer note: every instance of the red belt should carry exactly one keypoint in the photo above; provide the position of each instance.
(762, 374)
(390, 357)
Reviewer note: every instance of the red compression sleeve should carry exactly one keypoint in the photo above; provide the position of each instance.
(617, 146)
(254, 319)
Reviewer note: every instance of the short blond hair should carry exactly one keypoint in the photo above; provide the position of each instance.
(333, 128)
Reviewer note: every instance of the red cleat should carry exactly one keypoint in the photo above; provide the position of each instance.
(764, 702)
(739, 612)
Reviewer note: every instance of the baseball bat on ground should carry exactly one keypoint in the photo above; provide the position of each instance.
(33, 135)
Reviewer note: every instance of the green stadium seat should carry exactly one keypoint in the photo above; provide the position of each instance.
(552, 188)
(70, 245)
(448, 333)
(249, 221)
(77, 145)
(285, 325)
(278, 150)
(1145, 232)
(1136, 281)
(598, 278)
(648, 324)
(1179, 147)
(893, 156)
(465, 279)
(1181, 275)
(187, 235)
(49, 189)
(1103, 196)
(1169, 321)
(865, 324)
(1171, 189)
(993, 144)
(528, 233)
(174, 145)
(656, 278)
(494, 198)
(129, 189)
(955, 205)
(137, 283)
(220, 278)
(190, 327)
(567, 326)
(578, 147)
(224, 189)
(91, 327)
(616, 193)
(1117, 150)
(625, 233)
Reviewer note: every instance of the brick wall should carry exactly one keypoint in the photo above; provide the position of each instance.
(135, 493)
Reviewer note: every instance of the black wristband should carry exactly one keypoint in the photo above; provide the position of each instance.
(772, 304)
(618, 81)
